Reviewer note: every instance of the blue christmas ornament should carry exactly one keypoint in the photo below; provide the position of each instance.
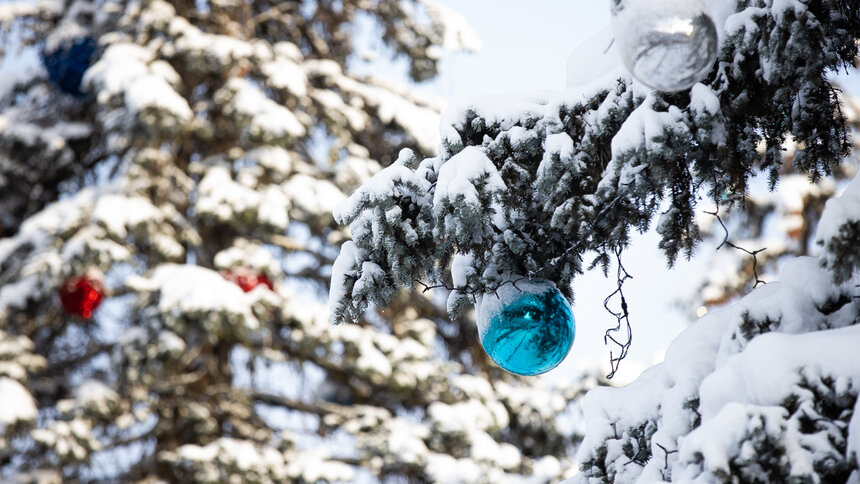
(527, 328)
(67, 63)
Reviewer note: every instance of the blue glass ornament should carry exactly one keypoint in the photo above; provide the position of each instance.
(527, 328)
(67, 63)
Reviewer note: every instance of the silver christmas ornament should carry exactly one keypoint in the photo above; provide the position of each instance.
(668, 45)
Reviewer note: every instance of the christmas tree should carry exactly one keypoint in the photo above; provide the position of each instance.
(547, 187)
(169, 170)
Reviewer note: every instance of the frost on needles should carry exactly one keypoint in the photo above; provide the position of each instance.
(533, 187)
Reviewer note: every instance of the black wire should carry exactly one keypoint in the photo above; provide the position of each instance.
(622, 317)
(754, 254)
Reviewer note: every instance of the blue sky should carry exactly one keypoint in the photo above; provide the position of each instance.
(526, 44)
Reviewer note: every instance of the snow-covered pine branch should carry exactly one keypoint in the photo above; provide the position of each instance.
(763, 390)
(583, 168)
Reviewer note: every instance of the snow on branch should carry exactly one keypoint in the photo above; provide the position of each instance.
(539, 182)
(838, 233)
(740, 392)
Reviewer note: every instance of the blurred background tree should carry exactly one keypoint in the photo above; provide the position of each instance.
(779, 223)
(168, 173)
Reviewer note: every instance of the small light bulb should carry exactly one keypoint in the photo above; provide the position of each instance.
(668, 45)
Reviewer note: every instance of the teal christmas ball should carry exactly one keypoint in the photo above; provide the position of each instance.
(527, 328)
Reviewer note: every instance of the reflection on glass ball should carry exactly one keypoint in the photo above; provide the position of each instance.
(668, 45)
(527, 328)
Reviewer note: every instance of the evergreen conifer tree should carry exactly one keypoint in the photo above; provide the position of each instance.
(546, 187)
(168, 172)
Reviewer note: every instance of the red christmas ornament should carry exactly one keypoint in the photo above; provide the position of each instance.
(81, 296)
(248, 279)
